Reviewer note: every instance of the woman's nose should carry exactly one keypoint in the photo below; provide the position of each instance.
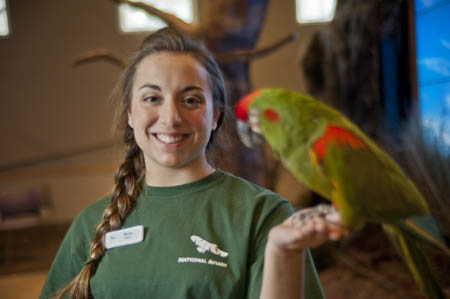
(170, 114)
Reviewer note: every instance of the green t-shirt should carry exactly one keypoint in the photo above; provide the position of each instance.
(204, 239)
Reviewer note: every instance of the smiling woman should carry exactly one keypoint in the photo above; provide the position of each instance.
(172, 114)
(181, 228)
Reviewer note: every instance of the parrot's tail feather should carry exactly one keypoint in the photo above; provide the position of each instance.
(413, 253)
(425, 228)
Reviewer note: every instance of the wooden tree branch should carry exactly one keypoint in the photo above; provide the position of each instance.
(102, 54)
(59, 156)
(169, 18)
(250, 54)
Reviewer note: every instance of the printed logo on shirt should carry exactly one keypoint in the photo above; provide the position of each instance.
(203, 246)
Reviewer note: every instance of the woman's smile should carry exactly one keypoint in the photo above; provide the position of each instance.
(171, 138)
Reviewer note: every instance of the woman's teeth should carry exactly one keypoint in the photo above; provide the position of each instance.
(170, 138)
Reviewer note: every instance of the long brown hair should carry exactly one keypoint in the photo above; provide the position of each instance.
(127, 178)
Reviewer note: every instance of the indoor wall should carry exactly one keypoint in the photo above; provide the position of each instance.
(52, 112)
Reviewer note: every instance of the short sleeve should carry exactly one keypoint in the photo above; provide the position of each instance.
(271, 212)
(312, 287)
(67, 264)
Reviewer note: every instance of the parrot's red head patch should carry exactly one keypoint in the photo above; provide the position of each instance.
(241, 109)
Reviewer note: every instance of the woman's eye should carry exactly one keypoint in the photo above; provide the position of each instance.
(191, 101)
(151, 99)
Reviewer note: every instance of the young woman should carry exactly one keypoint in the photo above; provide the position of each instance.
(205, 231)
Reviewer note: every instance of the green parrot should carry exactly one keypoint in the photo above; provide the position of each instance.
(331, 156)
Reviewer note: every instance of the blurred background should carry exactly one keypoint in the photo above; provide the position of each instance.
(385, 64)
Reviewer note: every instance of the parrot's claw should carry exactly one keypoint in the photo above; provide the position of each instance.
(323, 211)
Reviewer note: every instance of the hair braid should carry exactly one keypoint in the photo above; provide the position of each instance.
(124, 194)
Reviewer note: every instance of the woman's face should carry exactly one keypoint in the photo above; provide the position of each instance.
(172, 111)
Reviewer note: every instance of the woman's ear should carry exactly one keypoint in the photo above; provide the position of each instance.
(130, 120)
(216, 117)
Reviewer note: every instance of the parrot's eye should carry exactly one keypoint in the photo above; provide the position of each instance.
(272, 115)
(253, 120)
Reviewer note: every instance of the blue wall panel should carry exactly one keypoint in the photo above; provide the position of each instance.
(433, 64)
(421, 5)
(435, 101)
(433, 45)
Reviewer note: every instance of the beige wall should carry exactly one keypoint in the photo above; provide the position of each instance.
(48, 107)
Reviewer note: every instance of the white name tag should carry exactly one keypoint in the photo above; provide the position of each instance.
(126, 236)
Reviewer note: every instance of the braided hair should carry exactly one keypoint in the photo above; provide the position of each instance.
(128, 176)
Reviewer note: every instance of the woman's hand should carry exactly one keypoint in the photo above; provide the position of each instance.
(284, 253)
(307, 228)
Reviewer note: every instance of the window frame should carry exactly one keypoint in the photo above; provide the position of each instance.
(8, 21)
(312, 22)
(122, 31)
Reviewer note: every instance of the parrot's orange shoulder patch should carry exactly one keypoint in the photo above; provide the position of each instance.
(336, 135)
(271, 115)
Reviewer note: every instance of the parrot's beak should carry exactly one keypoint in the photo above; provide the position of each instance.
(248, 135)
(244, 132)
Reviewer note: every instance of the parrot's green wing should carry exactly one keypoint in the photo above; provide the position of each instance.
(366, 188)
(393, 198)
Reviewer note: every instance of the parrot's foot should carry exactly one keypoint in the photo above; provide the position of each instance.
(327, 212)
